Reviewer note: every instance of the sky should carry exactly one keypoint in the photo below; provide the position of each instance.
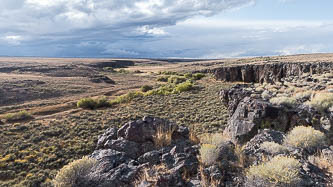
(165, 28)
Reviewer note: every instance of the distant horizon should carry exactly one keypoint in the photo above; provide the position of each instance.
(161, 58)
(211, 29)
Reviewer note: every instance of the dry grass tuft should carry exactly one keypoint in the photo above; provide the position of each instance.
(209, 152)
(216, 139)
(163, 137)
(306, 95)
(286, 101)
(273, 148)
(324, 162)
(150, 176)
(321, 101)
(305, 138)
(280, 170)
(241, 157)
(74, 173)
(194, 138)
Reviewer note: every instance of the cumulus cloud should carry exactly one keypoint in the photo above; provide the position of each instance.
(54, 16)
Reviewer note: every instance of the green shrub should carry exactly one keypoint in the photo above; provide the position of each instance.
(163, 78)
(322, 101)
(87, 103)
(188, 75)
(146, 88)
(126, 98)
(74, 174)
(137, 71)
(19, 116)
(286, 101)
(176, 79)
(102, 102)
(90, 103)
(171, 89)
(109, 69)
(183, 87)
(169, 73)
(198, 76)
(305, 137)
(163, 90)
(280, 170)
(123, 71)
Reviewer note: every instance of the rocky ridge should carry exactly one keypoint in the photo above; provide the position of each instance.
(268, 72)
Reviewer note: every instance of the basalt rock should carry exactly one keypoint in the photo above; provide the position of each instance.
(144, 130)
(123, 155)
(101, 79)
(252, 115)
(231, 97)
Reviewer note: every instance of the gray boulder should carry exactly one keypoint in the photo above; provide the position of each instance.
(110, 134)
(143, 130)
(252, 115)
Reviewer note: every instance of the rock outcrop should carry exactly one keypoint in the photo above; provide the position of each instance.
(269, 72)
(249, 114)
(124, 154)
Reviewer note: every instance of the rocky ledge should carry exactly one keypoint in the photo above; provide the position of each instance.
(268, 72)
